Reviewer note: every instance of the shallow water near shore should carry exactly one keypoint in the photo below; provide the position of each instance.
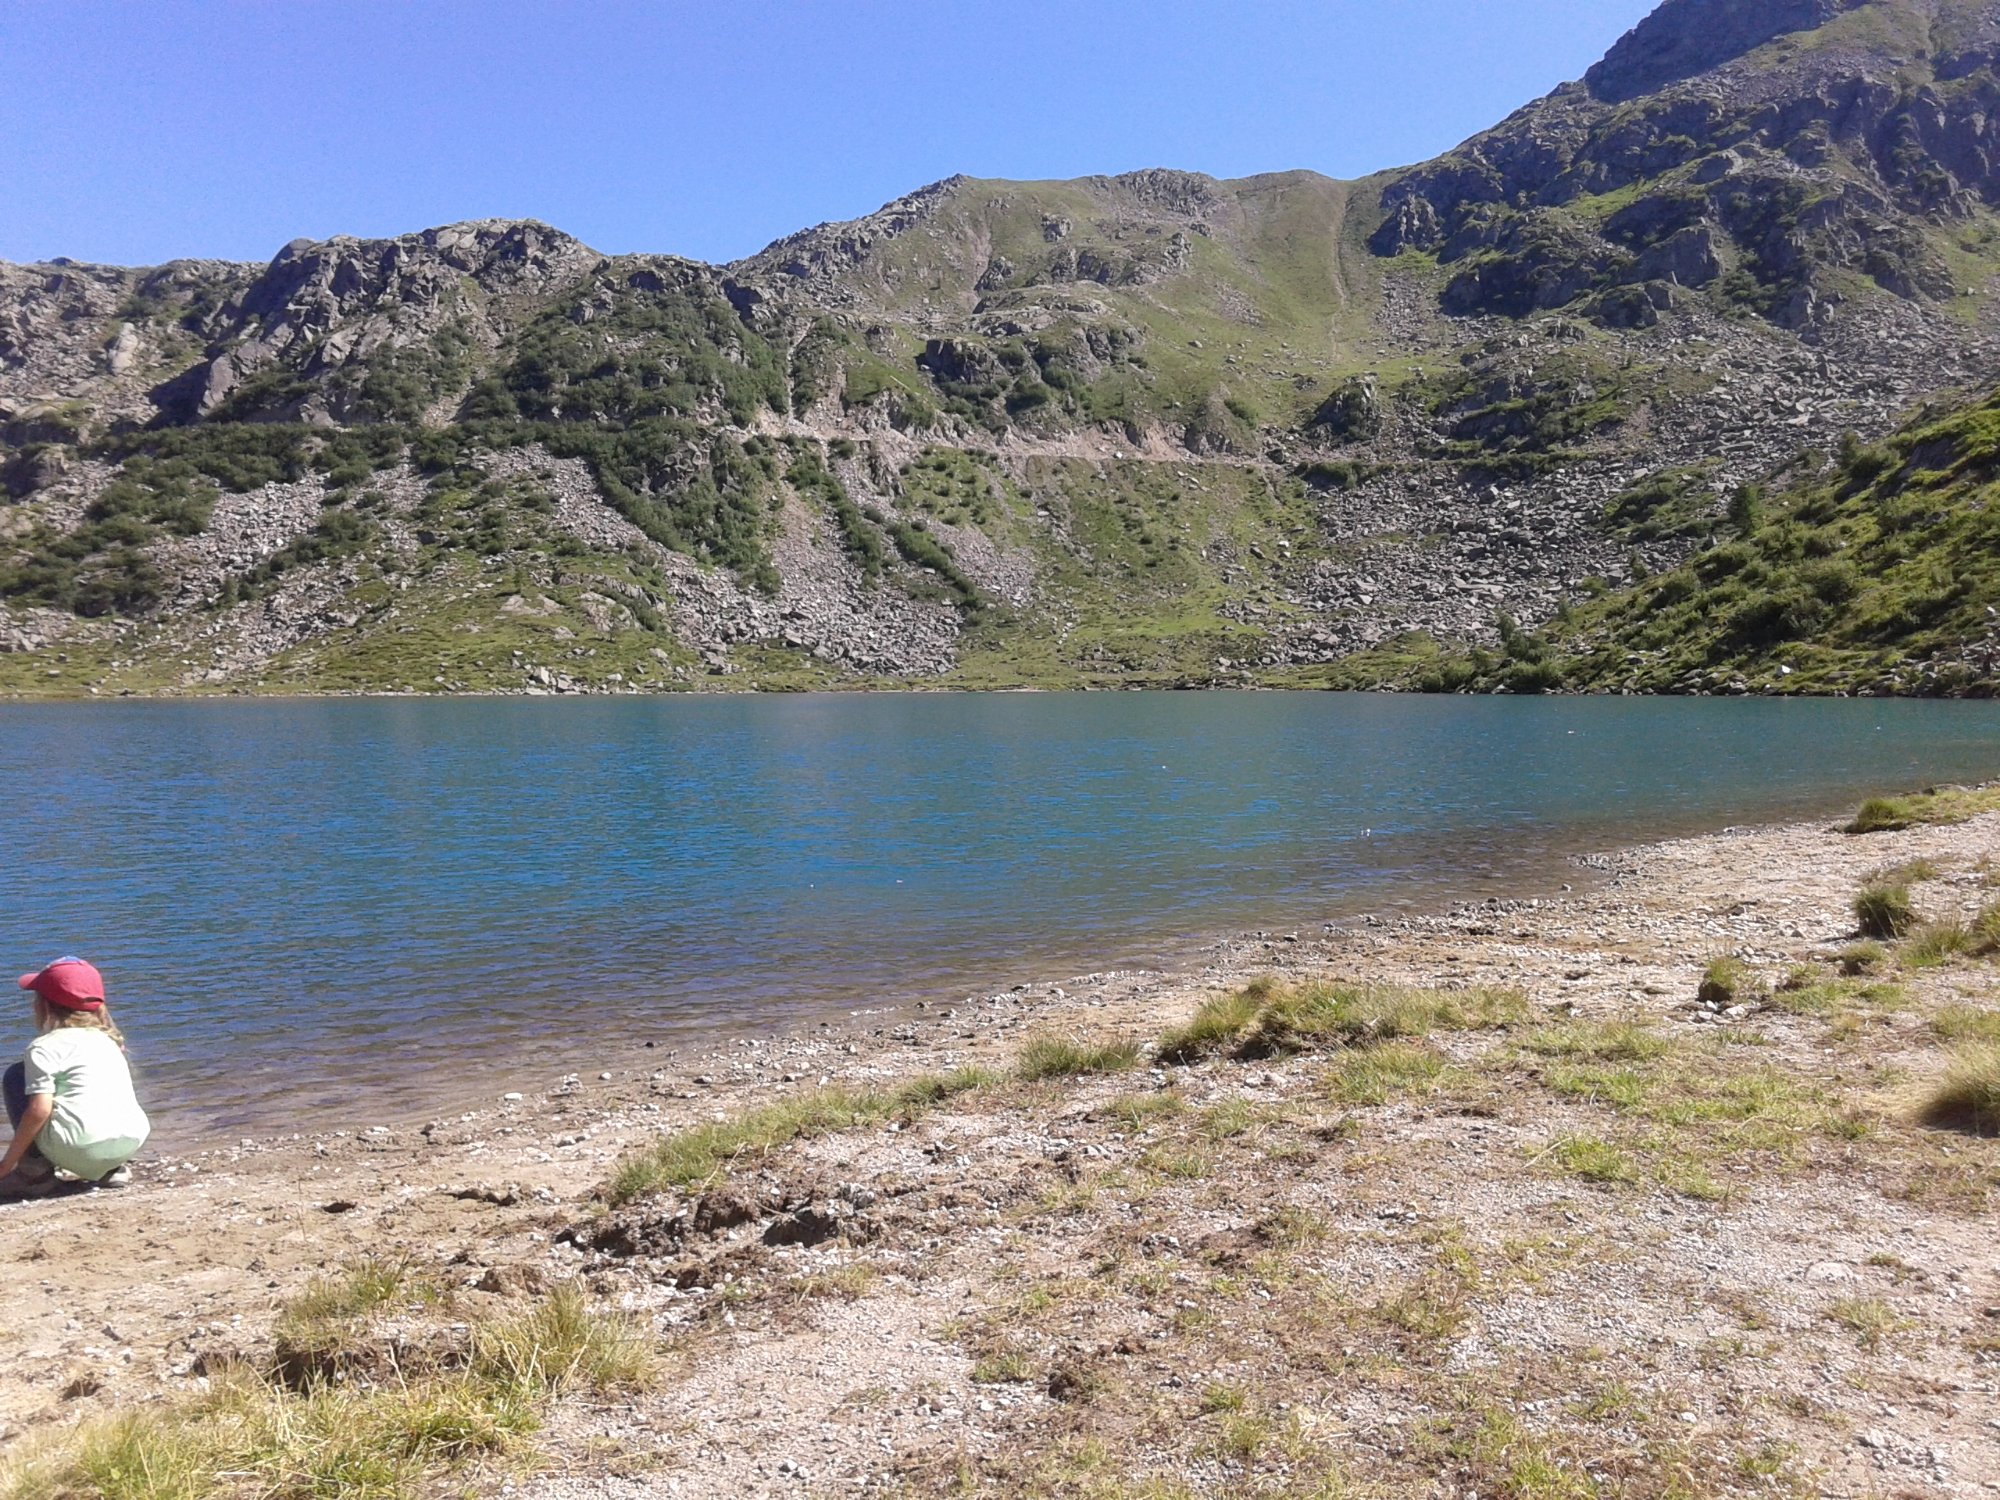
(309, 910)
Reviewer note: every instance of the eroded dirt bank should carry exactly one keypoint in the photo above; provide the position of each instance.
(1569, 1232)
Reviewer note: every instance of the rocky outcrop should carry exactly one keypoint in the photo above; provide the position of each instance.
(1783, 167)
(322, 307)
(1686, 37)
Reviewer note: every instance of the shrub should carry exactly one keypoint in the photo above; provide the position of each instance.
(1967, 1098)
(1885, 911)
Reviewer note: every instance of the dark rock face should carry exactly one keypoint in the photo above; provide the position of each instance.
(1686, 37)
(1831, 160)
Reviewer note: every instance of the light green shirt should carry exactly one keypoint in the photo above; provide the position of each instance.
(96, 1124)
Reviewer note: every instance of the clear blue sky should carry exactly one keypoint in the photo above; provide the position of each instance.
(134, 131)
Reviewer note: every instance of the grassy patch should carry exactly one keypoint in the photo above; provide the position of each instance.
(1869, 1318)
(699, 1154)
(1592, 1159)
(1314, 1016)
(1936, 943)
(1599, 1041)
(1936, 806)
(1375, 1075)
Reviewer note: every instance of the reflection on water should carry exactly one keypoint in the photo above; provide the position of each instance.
(299, 902)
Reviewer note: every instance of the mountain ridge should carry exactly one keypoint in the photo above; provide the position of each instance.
(1146, 427)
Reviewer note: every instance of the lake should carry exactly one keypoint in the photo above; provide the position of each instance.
(300, 905)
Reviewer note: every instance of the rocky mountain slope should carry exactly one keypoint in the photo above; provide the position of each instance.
(1147, 429)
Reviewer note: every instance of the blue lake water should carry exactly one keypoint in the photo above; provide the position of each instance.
(302, 904)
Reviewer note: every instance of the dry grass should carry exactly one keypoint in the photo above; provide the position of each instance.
(1967, 1023)
(250, 1434)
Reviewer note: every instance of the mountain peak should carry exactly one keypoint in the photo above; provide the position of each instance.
(1686, 37)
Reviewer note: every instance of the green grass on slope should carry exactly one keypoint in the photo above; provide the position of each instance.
(1879, 572)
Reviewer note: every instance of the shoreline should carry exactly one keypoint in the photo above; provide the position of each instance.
(220, 1238)
(1187, 962)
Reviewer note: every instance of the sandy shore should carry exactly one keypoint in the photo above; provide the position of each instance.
(1065, 1287)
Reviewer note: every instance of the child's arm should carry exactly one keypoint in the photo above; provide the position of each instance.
(33, 1118)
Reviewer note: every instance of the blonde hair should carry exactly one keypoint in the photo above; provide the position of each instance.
(56, 1018)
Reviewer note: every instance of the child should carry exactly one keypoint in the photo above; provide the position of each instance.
(70, 1102)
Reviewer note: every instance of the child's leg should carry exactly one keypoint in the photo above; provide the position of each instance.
(14, 1086)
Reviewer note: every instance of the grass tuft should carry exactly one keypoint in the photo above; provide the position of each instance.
(1986, 930)
(1869, 1318)
(1967, 1023)
(1593, 1160)
(1885, 911)
(1218, 1023)
(563, 1346)
(1936, 943)
(1728, 981)
(1047, 1057)
(1375, 1075)
(1967, 1098)
(1599, 1041)
(1861, 958)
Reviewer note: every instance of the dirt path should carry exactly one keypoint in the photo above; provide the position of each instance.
(1719, 1257)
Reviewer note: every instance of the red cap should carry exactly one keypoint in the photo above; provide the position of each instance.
(69, 983)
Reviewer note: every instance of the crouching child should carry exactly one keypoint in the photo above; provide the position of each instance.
(70, 1101)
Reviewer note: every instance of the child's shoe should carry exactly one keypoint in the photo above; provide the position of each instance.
(117, 1177)
(33, 1178)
